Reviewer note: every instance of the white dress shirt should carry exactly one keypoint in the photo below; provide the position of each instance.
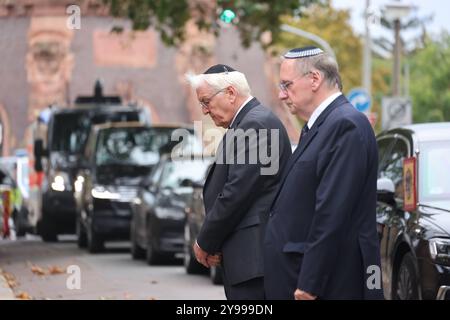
(321, 108)
(239, 110)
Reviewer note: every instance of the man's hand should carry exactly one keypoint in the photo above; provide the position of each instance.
(201, 255)
(302, 295)
(214, 260)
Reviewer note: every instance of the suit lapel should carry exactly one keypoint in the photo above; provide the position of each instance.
(306, 141)
(250, 105)
(210, 171)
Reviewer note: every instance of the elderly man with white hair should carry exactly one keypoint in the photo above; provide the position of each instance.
(239, 189)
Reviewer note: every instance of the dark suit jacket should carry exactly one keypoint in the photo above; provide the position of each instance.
(237, 199)
(321, 235)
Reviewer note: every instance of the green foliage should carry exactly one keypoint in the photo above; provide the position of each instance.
(169, 17)
(334, 27)
(256, 17)
(430, 81)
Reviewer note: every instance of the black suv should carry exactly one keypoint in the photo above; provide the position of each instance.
(118, 157)
(413, 211)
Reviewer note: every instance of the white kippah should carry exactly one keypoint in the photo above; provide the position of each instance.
(303, 52)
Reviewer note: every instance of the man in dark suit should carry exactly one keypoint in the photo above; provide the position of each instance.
(321, 239)
(238, 191)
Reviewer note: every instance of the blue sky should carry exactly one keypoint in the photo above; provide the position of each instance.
(439, 8)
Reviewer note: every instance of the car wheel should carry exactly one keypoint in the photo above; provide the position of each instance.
(215, 274)
(81, 234)
(20, 218)
(406, 287)
(136, 251)
(190, 263)
(153, 256)
(47, 232)
(94, 242)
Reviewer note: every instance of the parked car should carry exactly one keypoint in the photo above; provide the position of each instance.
(413, 211)
(58, 139)
(159, 209)
(119, 156)
(195, 215)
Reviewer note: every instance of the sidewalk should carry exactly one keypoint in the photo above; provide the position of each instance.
(5, 291)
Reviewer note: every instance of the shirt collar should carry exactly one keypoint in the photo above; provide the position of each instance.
(239, 110)
(315, 115)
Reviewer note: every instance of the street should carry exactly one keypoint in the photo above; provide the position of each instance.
(37, 270)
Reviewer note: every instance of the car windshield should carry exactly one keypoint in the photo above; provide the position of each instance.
(70, 132)
(434, 171)
(176, 171)
(131, 146)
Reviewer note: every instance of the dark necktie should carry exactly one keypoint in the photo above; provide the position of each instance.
(305, 130)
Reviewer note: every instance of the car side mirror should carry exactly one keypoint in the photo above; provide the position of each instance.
(191, 184)
(187, 183)
(146, 183)
(386, 191)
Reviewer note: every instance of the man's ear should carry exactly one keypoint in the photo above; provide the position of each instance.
(232, 93)
(317, 79)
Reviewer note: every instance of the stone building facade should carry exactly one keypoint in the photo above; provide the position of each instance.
(43, 62)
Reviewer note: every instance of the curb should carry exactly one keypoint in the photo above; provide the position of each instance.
(6, 292)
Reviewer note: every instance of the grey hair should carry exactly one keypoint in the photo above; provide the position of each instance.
(326, 65)
(219, 81)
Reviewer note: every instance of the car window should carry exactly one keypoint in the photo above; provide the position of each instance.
(392, 166)
(384, 147)
(177, 171)
(156, 174)
(434, 172)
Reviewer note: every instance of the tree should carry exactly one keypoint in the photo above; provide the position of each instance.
(430, 80)
(169, 17)
(334, 27)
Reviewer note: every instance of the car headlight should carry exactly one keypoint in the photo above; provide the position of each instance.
(60, 181)
(79, 184)
(440, 250)
(100, 192)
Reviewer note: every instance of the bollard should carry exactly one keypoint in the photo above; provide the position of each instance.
(6, 212)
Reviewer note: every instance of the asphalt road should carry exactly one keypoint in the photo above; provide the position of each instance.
(38, 270)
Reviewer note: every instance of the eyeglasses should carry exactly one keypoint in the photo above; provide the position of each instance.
(284, 85)
(205, 102)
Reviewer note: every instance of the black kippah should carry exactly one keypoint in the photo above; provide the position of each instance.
(303, 52)
(219, 68)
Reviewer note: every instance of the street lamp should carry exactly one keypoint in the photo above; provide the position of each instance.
(395, 12)
(311, 36)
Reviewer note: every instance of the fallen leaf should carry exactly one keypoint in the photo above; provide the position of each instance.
(11, 283)
(154, 282)
(38, 270)
(55, 270)
(23, 296)
(10, 280)
(151, 298)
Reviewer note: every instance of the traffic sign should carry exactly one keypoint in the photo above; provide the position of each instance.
(360, 99)
(396, 112)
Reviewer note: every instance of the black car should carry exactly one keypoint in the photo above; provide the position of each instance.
(119, 156)
(159, 209)
(66, 135)
(195, 215)
(413, 211)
